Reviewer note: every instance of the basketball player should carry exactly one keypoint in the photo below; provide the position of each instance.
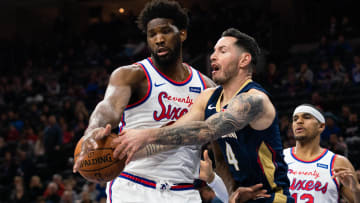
(238, 114)
(151, 93)
(314, 172)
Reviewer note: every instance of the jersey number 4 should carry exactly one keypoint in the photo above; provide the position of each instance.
(308, 197)
(231, 157)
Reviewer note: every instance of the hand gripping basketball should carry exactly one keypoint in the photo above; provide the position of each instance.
(96, 162)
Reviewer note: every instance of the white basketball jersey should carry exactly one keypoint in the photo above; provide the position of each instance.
(166, 101)
(310, 181)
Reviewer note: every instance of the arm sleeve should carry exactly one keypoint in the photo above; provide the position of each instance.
(219, 188)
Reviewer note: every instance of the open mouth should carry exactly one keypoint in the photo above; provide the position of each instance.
(215, 67)
(162, 51)
(299, 130)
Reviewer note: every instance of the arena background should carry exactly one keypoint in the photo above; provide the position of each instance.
(56, 57)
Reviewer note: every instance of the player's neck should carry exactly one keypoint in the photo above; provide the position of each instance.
(231, 88)
(176, 71)
(308, 151)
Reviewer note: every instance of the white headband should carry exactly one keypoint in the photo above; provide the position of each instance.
(311, 110)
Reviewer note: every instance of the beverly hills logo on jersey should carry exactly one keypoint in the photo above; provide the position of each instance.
(313, 174)
(169, 111)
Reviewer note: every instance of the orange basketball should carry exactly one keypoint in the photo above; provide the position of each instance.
(99, 165)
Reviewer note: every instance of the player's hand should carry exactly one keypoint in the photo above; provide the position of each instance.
(129, 142)
(347, 177)
(89, 142)
(243, 194)
(206, 170)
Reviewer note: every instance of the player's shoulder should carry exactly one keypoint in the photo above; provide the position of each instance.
(341, 161)
(287, 154)
(205, 95)
(287, 151)
(133, 73)
(209, 83)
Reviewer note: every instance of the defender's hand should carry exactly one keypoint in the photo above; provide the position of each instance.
(244, 194)
(206, 170)
(129, 142)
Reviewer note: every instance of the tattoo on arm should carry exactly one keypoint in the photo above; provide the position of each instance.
(240, 112)
(152, 149)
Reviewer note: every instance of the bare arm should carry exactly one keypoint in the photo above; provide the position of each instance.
(196, 113)
(252, 108)
(241, 111)
(344, 171)
(108, 112)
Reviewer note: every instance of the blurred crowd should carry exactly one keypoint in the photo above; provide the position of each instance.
(49, 87)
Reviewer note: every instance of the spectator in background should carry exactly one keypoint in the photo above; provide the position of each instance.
(352, 126)
(285, 127)
(324, 76)
(53, 138)
(35, 188)
(338, 75)
(51, 193)
(355, 69)
(346, 28)
(342, 48)
(289, 82)
(81, 109)
(305, 73)
(305, 78)
(69, 193)
(57, 178)
(272, 77)
(333, 28)
(324, 50)
(19, 195)
(331, 129)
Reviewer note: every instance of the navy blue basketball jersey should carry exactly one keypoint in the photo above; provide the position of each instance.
(254, 156)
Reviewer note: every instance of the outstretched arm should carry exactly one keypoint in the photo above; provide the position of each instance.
(242, 110)
(248, 108)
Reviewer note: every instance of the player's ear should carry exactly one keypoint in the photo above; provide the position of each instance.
(322, 127)
(244, 59)
(183, 35)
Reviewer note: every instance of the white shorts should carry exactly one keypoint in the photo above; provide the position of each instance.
(122, 190)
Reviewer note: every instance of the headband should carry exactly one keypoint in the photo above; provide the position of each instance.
(311, 110)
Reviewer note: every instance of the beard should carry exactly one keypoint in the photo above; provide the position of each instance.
(170, 58)
(304, 138)
(227, 75)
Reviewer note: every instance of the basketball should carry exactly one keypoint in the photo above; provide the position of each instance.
(99, 165)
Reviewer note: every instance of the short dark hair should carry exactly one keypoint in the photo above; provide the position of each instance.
(163, 9)
(246, 42)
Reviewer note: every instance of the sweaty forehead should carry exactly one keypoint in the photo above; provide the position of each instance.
(160, 22)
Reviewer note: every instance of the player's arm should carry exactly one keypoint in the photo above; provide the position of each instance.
(108, 112)
(344, 171)
(196, 113)
(143, 149)
(252, 108)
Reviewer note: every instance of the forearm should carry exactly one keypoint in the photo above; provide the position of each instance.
(152, 149)
(197, 132)
(356, 193)
(103, 114)
(219, 188)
